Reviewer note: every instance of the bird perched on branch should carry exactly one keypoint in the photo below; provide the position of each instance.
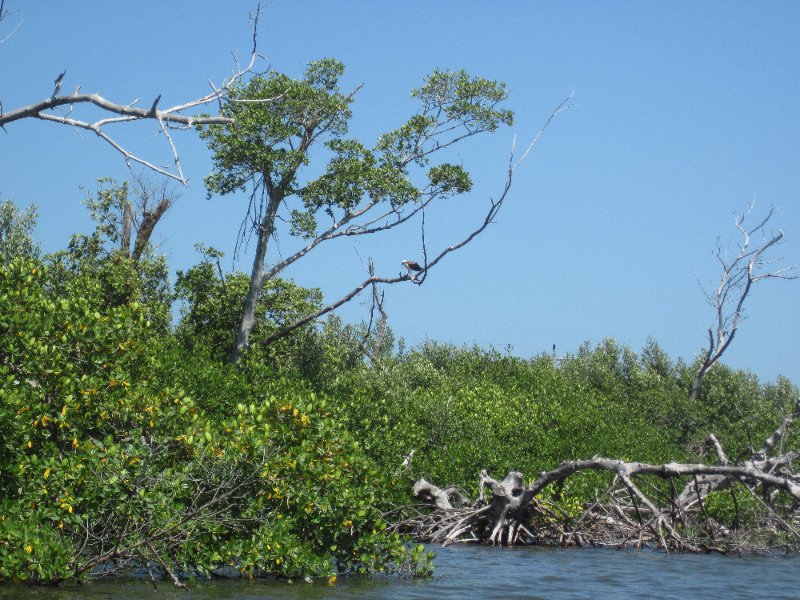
(57, 83)
(412, 266)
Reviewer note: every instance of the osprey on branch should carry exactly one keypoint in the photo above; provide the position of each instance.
(413, 268)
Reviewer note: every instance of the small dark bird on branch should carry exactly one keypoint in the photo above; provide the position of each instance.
(57, 83)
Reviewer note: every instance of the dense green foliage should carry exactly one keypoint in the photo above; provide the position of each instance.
(278, 119)
(466, 409)
(125, 442)
(116, 435)
(16, 229)
(212, 306)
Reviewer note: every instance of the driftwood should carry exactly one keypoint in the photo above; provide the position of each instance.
(643, 506)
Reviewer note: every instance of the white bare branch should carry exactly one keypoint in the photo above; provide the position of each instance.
(3, 15)
(515, 513)
(174, 117)
(338, 230)
(739, 273)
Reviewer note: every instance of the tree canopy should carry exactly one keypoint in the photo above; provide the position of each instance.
(344, 188)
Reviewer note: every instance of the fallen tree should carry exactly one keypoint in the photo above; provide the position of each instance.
(641, 507)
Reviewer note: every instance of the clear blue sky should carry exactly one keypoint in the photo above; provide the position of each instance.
(683, 113)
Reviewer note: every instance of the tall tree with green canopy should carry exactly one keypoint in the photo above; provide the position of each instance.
(266, 149)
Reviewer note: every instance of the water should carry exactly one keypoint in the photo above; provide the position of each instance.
(484, 572)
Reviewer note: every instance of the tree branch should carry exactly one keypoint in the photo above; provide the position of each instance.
(172, 117)
(735, 284)
(494, 207)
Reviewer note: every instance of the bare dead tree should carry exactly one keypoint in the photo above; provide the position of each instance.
(151, 201)
(380, 323)
(631, 512)
(750, 265)
(127, 214)
(59, 108)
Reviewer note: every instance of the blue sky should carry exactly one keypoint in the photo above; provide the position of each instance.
(683, 113)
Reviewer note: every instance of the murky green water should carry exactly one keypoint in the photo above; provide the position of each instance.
(482, 572)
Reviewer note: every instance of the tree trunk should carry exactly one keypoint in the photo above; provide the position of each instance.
(150, 219)
(127, 222)
(257, 278)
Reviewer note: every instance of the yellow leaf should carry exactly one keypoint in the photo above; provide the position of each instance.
(47, 472)
(64, 411)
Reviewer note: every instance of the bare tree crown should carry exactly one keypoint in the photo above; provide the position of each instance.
(752, 262)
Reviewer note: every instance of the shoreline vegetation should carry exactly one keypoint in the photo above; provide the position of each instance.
(130, 443)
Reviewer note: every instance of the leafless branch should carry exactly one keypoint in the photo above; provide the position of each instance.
(739, 273)
(512, 513)
(382, 319)
(337, 229)
(175, 581)
(778, 435)
(565, 104)
(174, 117)
(712, 440)
(4, 12)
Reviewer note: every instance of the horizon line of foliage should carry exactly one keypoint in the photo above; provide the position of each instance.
(127, 441)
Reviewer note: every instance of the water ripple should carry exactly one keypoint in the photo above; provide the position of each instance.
(484, 572)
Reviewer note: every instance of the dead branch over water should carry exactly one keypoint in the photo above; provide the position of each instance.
(663, 506)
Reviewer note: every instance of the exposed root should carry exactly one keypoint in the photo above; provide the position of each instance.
(513, 513)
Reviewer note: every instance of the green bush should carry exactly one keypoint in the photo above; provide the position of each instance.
(113, 454)
(465, 409)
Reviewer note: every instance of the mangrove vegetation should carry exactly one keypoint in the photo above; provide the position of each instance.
(128, 442)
